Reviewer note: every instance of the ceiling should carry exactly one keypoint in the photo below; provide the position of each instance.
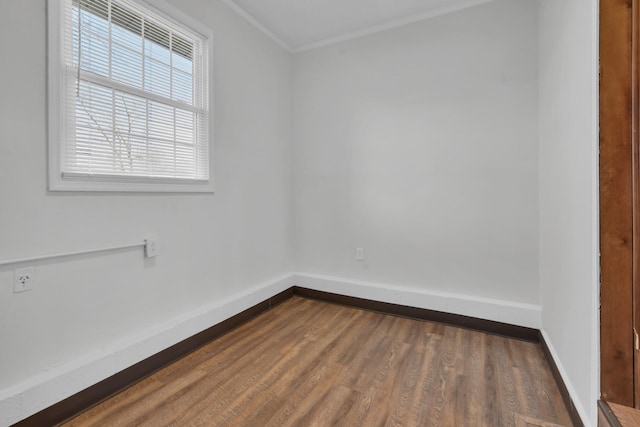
(304, 24)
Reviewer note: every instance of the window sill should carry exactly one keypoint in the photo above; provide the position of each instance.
(129, 184)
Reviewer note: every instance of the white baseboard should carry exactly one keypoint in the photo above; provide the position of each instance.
(28, 397)
(34, 394)
(528, 315)
(584, 415)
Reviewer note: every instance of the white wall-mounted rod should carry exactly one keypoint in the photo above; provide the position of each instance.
(74, 253)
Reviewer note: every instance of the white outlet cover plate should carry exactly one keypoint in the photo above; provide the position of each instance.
(23, 279)
(151, 247)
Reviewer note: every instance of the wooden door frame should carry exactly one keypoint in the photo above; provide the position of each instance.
(617, 189)
(617, 201)
(635, 156)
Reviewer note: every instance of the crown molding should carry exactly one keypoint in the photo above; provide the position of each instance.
(253, 21)
(355, 34)
(389, 25)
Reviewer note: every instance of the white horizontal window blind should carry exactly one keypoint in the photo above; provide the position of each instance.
(135, 94)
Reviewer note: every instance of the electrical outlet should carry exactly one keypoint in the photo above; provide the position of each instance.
(151, 247)
(359, 254)
(23, 279)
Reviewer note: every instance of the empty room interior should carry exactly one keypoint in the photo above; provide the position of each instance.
(250, 212)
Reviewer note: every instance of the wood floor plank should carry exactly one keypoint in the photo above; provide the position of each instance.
(477, 399)
(310, 363)
(627, 416)
(208, 402)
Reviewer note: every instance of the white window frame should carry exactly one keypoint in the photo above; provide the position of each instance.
(56, 113)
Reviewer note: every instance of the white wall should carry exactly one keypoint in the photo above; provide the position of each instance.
(212, 246)
(568, 193)
(419, 144)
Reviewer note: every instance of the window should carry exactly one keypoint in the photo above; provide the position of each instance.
(128, 98)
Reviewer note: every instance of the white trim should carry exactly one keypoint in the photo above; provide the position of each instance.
(127, 184)
(565, 378)
(390, 25)
(55, 105)
(41, 391)
(253, 21)
(514, 313)
(595, 230)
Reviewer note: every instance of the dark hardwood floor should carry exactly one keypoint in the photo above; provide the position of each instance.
(310, 363)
